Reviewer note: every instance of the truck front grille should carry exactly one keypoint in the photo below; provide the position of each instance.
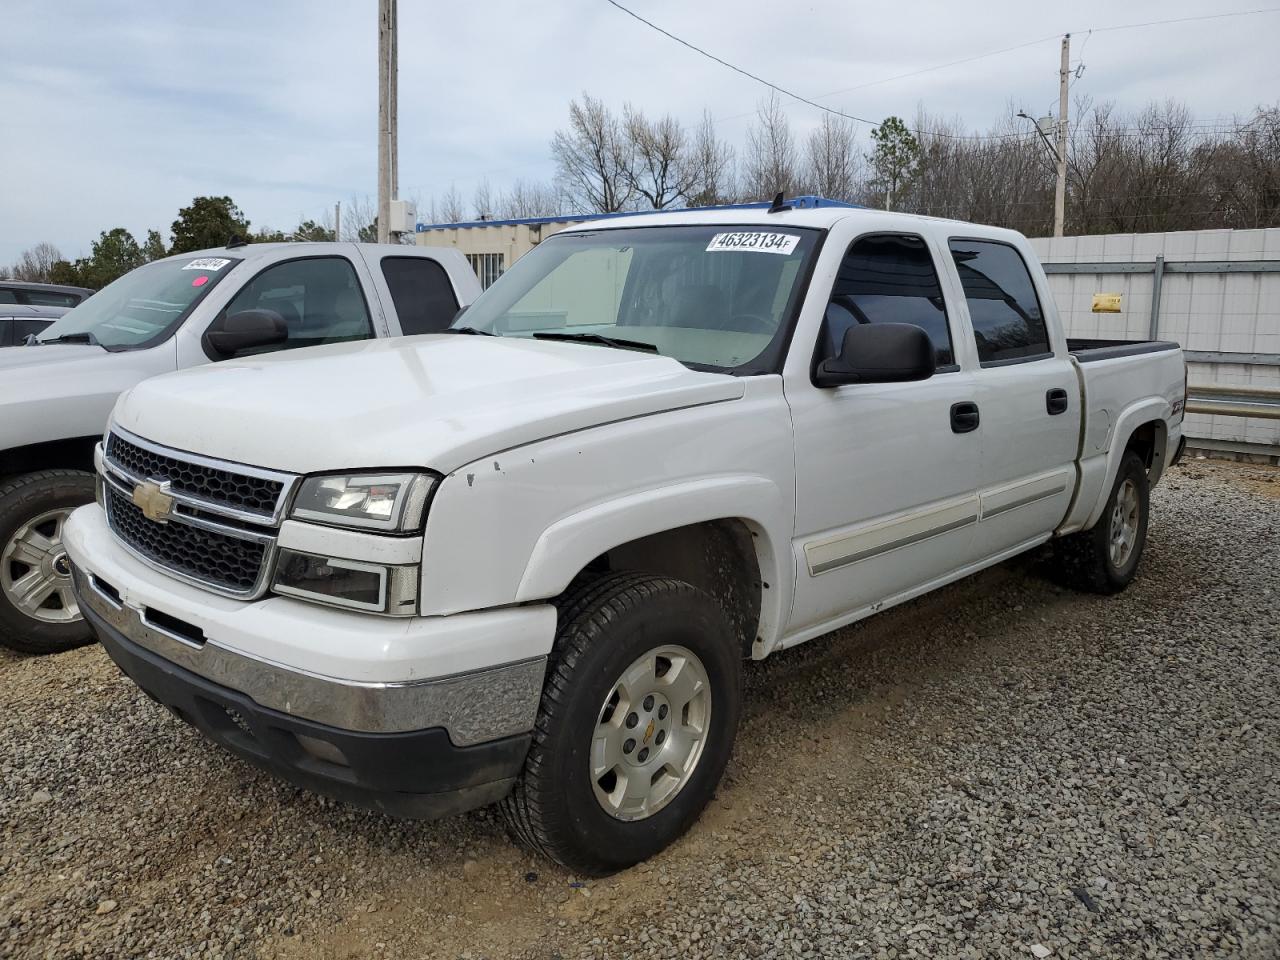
(257, 494)
(215, 559)
(216, 524)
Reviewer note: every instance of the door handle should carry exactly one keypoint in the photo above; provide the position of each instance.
(964, 417)
(1055, 401)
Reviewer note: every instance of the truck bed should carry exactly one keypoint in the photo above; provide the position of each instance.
(1088, 351)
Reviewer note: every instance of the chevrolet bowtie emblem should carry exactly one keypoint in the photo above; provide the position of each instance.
(154, 500)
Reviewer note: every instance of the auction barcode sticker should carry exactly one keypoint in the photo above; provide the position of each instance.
(783, 243)
(207, 263)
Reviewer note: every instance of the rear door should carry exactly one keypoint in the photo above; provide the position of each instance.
(886, 485)
(1028, 399)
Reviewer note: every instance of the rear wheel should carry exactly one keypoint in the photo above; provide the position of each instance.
(38, 610)
(637, 720)
(1105, 559)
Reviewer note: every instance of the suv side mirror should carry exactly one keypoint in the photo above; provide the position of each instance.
(231, 333)
(879, 353)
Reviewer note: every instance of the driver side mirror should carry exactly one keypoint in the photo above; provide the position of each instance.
(232, 333)
(879, 353)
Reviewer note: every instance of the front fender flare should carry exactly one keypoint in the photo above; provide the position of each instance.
(573, 541)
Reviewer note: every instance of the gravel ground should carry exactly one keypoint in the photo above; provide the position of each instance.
(999, 769)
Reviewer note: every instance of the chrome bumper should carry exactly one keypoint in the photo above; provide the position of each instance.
(473, 707)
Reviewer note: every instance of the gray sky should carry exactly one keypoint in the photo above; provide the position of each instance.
(117, 114)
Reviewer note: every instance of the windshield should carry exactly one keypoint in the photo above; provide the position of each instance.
(144, 305)
(712, 297)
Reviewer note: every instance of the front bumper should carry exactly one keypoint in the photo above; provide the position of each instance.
(412, 774)
(417, 717)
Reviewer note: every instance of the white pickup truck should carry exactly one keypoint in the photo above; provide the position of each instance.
(185, 310)
(525, 561)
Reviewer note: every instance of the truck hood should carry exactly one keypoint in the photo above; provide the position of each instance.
(67, 389)
(436, 401)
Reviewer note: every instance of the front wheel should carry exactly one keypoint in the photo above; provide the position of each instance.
(38, 610)
(638, 715)
(1105, 559)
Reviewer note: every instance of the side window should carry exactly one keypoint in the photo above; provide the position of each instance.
(319, 298)
(6, 332)
(421, 292)
(888, 279)
(47, 298)
(23, 328)
(1007, 321)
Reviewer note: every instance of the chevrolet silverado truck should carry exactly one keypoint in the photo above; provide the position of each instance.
(195, 308)
(524, 561)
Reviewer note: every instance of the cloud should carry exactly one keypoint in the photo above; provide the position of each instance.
(118, 114)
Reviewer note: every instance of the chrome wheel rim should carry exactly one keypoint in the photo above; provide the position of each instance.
(1124, 523)
(650, 732)
(35, 574)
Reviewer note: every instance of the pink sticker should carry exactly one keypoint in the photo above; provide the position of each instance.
(199, 281)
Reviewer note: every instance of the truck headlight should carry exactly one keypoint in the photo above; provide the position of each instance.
(382, 501)
(352, 584)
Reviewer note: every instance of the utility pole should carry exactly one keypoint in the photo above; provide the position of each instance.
(337, 221)
(1060, 193)
(387, 147)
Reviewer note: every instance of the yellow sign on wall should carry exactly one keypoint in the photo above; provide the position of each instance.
(1106, 303)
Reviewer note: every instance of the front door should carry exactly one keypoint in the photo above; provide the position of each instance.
(886, 473)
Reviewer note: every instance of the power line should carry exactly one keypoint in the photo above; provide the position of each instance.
(757, 78)
(872, 123)
(1205, 16)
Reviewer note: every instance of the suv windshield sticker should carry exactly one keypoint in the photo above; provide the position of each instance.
(207, 263)
(783, 243)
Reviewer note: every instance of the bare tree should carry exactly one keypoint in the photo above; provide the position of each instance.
(712, 163)
(359, 216)
(656, 163)
(451, 209)
(526, 199)
(831, 160)
(36, 263)
(591, 158)
(482, 201)
(771, 164)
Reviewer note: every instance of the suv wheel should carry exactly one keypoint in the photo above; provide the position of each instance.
(638, 716)
(38, 610)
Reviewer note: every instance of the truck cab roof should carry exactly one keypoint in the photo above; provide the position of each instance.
(822, 217)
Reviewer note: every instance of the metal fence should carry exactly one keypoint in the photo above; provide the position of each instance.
(1215, 292)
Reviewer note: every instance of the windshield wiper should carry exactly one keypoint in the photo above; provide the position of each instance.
(469, 330)
(599, 338)
(85, 337)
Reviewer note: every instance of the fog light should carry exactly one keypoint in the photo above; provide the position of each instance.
(352, 584)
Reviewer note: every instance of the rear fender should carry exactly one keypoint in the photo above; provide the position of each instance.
(1149, 409)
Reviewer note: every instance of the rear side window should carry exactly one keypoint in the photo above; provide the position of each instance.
(1008, 323)
(48, 298)
(319, 299)
(888, 279)
(421, 292)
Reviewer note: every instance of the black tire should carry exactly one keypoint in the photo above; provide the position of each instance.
(22, 499)
(1084, 560)
(606, 623)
